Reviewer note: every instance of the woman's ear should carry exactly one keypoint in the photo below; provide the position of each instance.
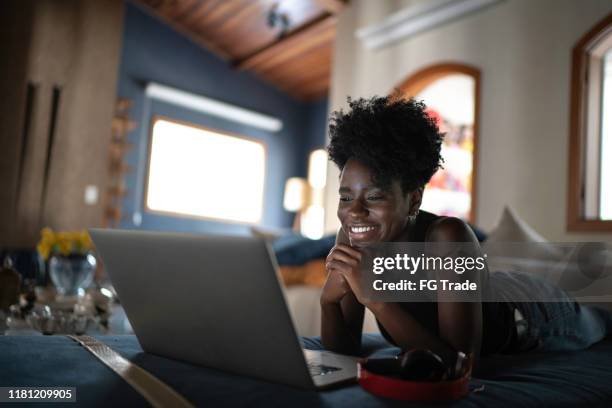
(416, 196)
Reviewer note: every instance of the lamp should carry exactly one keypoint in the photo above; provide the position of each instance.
(312, 221)
(295, 198)
(296, 193)
(306, 197)
(317, 169)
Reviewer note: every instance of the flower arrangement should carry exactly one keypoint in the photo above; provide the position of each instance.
(63, 243)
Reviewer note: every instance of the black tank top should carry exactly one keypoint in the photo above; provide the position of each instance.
(497, 323)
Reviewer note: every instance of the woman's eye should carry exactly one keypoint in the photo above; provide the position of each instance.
(344, 198)
(375, 197)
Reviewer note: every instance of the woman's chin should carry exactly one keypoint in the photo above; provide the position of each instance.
(361, 240)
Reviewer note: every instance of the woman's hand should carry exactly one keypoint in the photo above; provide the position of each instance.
(335, 288)
(343, 265)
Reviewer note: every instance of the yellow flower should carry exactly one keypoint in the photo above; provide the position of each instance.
(85, 240)
(64, 242)
(43, 250)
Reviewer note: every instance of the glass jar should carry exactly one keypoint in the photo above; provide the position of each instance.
(71, 273)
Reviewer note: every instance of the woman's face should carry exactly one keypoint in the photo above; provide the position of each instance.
(367, 212)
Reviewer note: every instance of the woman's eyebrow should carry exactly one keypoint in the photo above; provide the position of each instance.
(365, 188)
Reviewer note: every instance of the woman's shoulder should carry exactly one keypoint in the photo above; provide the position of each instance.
(422, 225)
(441, 228)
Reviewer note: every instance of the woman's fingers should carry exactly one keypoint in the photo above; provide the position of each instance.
(335, 287)
(339, 266)
(350, 251)
(344, 261)
(349, 274)
(345, 254)
(343, 257)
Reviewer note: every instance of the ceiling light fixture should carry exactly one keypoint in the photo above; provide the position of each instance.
(276, 19)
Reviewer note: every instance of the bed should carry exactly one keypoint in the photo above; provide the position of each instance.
(553, 380)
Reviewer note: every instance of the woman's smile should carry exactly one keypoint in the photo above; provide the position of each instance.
(357, 229)
(363, 233)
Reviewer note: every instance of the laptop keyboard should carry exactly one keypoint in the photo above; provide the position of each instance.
(320, 369)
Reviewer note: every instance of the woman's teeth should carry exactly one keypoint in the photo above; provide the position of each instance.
(361, 229)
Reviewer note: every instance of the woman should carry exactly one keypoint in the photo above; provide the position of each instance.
(387, 150)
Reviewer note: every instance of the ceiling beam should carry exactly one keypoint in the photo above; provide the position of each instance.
(332, 6)
(312, 86)
(309, 36)
(297, 71)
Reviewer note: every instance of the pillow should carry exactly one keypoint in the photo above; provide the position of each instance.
(512, 229)
(480, 234)
(301, 260)
(297, 250)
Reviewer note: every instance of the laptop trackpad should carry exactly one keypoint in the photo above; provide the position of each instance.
(327, 368)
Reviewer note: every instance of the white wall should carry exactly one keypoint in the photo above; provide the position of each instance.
(523, 49)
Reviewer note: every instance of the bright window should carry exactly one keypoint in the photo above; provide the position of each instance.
(204, 173)
(450, 92)
(605, 198)
(590, 149)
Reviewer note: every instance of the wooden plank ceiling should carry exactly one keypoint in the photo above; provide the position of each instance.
(295, 56)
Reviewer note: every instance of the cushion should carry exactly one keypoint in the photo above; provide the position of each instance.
(581, 270)
(480, 234)
(512, 229)
(297, 249)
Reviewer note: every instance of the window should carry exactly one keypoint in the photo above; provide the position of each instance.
(590, 149)
(450, 92)
(605, 199)
(200, 172)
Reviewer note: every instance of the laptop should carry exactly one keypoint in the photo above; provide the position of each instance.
(214, 301)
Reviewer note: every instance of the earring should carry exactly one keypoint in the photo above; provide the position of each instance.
(412, 217)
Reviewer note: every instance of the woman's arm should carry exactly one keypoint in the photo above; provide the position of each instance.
(341, 313)
(460, 323)
(407, 332)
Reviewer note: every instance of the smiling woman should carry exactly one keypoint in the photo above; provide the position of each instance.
(387, 149)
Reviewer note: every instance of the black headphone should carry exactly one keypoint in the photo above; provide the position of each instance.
(417, 365)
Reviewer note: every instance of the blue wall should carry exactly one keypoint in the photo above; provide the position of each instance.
(153, 52)
(316, 129)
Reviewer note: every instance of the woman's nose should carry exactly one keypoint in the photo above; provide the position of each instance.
(357, 209)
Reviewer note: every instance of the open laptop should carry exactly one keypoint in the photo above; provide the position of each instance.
(215, 301)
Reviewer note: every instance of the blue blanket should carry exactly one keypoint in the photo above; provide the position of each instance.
(570, 379)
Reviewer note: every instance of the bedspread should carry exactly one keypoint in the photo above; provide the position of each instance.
(561, 379)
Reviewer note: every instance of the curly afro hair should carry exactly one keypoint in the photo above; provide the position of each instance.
(395, 137)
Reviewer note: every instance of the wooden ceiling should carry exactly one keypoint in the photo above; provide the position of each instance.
(295, 58)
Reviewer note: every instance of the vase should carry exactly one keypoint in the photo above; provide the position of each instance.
(72, 273)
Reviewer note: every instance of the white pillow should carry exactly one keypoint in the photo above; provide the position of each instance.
(506, 250)
(512, 229)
